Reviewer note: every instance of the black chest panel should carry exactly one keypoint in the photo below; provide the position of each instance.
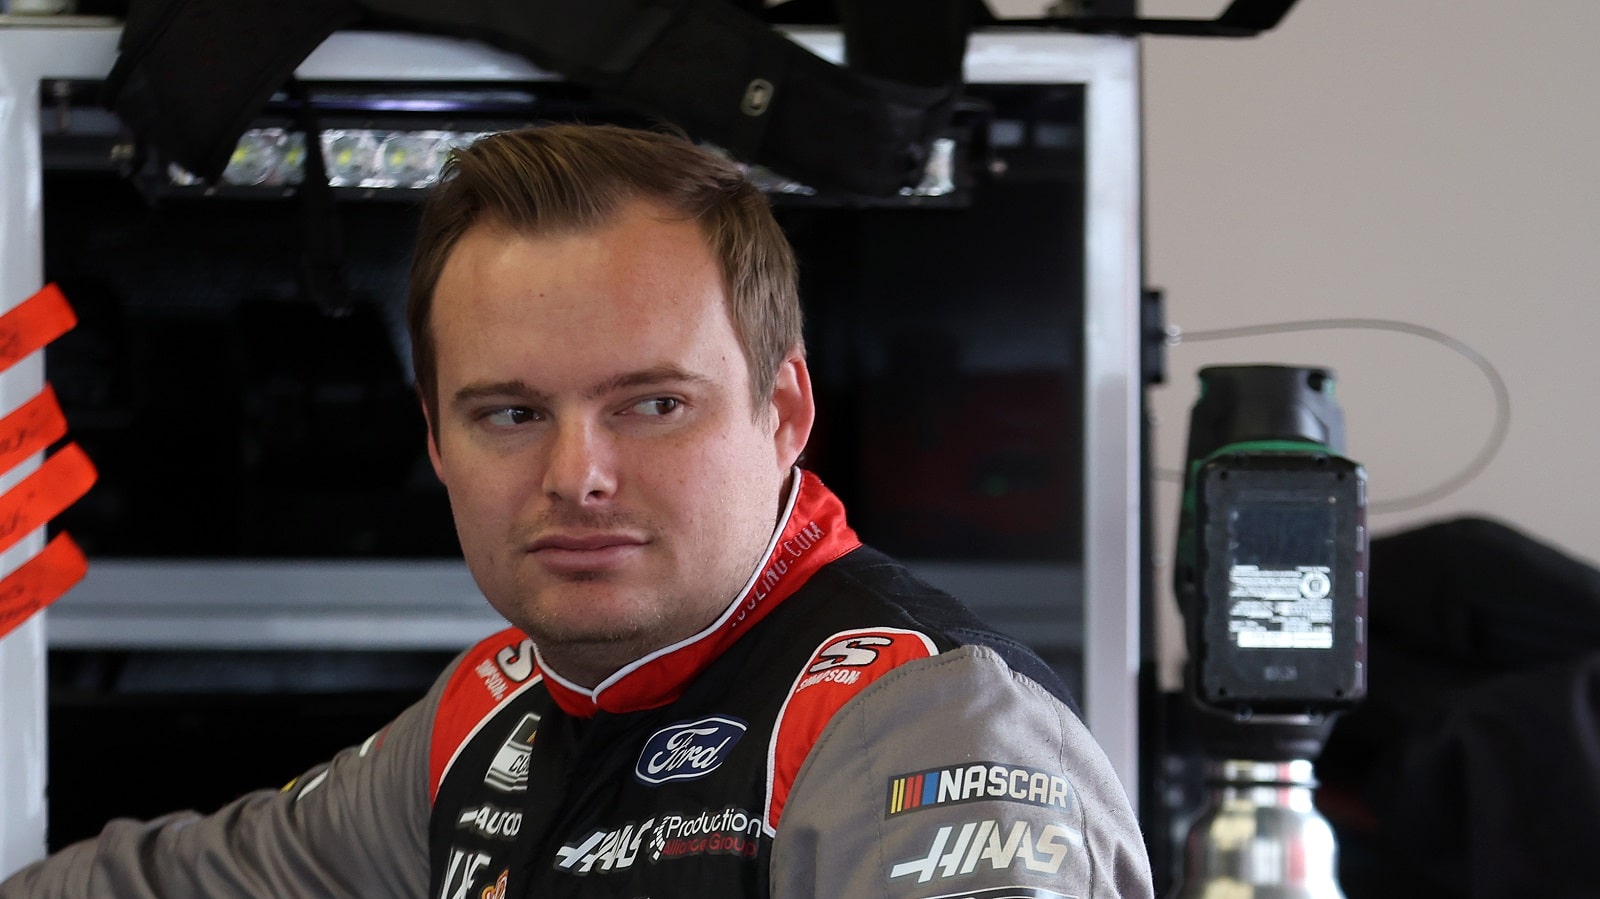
(663, 802)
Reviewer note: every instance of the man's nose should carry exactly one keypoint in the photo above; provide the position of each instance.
(579, 467)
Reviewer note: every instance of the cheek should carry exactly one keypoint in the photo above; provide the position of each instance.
(735, 484)
(723, 467)
(480, 492)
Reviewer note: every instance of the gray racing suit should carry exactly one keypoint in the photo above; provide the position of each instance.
(843, 730)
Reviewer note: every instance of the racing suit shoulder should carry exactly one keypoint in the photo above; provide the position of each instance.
(355, 826)
(923, 606)
(967, 762)
(955, 774)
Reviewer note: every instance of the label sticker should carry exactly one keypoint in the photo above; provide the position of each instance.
(1281, 608)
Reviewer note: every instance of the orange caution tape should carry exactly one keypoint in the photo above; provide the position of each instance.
(33, 427)
(57, 483)
(42, 495)
(35, 322)
(40, 581)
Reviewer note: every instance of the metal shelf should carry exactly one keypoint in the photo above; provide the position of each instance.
(425, 605)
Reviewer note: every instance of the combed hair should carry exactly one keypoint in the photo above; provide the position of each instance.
(570, 178)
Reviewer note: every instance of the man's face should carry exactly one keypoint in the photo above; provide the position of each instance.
(612, 487)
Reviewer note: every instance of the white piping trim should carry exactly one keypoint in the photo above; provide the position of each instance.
(594, 695)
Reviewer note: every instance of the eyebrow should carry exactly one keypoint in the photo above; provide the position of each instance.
(645, 377)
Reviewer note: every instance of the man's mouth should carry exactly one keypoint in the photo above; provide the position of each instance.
(573, 552)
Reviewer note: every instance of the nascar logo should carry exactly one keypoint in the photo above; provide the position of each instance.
(981, 780)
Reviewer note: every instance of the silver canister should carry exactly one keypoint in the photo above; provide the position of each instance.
(1260, 836)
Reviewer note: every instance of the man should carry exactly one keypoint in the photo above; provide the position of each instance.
(711, 687)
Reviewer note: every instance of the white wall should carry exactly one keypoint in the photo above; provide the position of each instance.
(1430, 161)
(1435, 162)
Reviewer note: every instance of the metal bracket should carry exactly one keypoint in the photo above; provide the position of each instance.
(1242, 18)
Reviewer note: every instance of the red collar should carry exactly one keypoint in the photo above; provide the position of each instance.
(814, 533)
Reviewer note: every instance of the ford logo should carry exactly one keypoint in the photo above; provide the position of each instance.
(688, 749)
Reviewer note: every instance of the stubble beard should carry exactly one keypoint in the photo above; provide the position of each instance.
(635, 621)
(555, 620)
(571, 635)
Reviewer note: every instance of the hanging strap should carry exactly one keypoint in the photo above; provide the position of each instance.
(190, 75)
(720, 73)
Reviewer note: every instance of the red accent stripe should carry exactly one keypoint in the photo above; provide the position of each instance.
(812, 704)
(467, 701)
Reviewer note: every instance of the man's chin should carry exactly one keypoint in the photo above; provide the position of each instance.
(590, 624)
(587, 656)
(568, 639)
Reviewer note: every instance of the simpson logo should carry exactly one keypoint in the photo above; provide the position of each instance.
(492, 821)
(516, 661)
(854, 652)
(981, 780)
(511, 665)
(687, 750)
(493, 680)
(508, 772)
(989, 844)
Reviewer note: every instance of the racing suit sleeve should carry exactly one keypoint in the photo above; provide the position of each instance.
(956, 776)
(353, 827)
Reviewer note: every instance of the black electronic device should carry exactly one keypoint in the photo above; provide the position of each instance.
(1271, 581)
(1279, 581)
(1271, 574)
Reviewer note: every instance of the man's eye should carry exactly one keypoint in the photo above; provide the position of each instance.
(657, 405)
(509, 416)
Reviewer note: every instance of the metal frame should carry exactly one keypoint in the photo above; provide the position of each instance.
(27, 55)
(347, 604)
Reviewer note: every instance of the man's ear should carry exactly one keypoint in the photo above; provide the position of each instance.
(794, 410)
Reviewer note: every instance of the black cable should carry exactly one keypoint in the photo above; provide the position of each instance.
(1502, 396)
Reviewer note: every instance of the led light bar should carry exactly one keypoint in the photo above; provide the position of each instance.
(354, 157)
(410, 160)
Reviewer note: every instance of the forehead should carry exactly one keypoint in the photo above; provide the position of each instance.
(642, 285)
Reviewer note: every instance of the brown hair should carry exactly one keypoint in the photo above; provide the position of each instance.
(573, 177)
